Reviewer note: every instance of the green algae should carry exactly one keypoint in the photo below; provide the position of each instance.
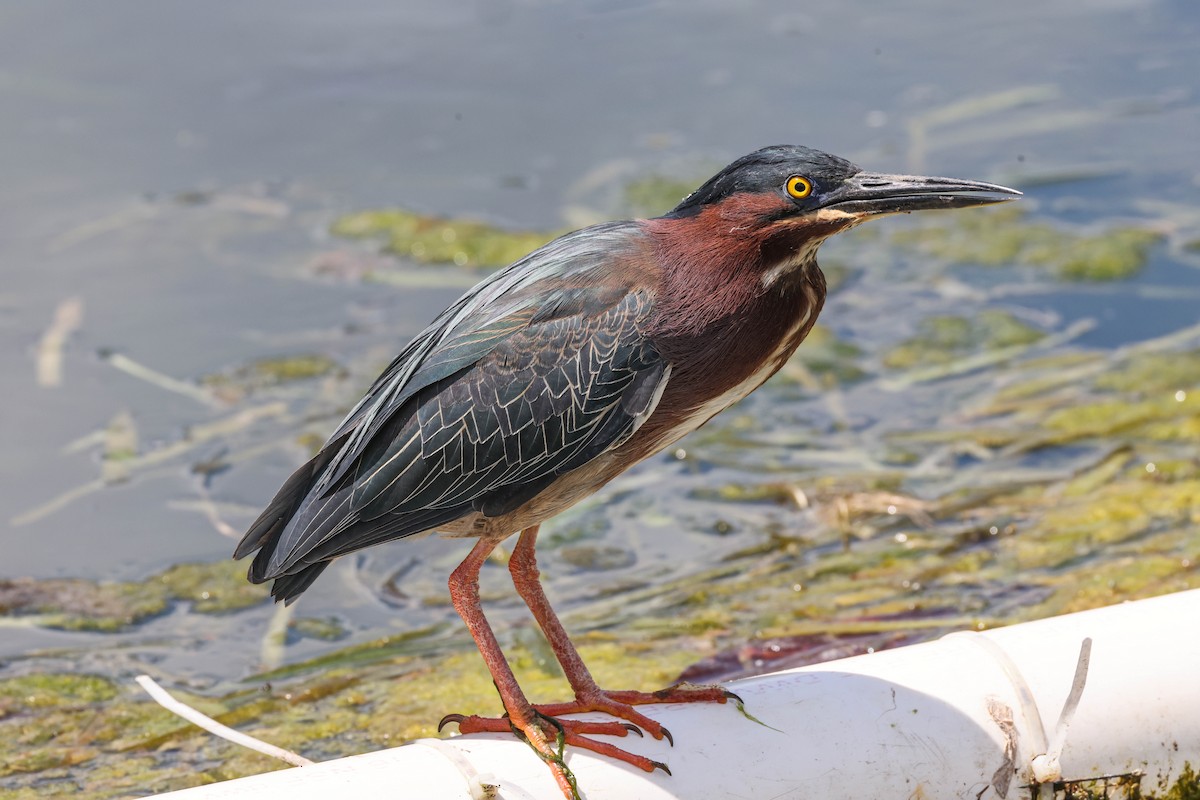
(284, 369)
(654, 195)
(1045, 376)
(265, 373)
(592, 558)
(943, 339)
(108, 607)
(1115, 255)
(52, 721)
(83, 605)
(1131, 521)
(31, 692)
(436, 240)
(1186, 786)
(1098, 475)
(327, 629)
(120, 438)
(1161, 418)
(824, 361)
(747, 493)
(1008, 237)
(1154, 372)
(213, 588)
(341, 712)
(382, 649)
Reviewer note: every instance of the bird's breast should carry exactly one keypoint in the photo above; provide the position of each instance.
(712, 370)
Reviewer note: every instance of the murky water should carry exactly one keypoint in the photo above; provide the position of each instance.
(170, 173)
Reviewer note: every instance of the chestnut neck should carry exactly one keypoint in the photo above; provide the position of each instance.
(732, 261)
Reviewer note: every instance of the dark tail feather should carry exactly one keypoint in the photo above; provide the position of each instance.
(288, 587)
(270, 523)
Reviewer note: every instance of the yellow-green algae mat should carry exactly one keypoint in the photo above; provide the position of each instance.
(844, 551)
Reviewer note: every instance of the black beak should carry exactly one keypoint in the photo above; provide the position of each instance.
(871, 193)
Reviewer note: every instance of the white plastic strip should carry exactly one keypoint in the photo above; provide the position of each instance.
(1047, 767)
(181, 709)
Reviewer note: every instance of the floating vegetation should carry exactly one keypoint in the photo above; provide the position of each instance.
(824, 361)
(1164, 418)
(213, 588)
(436, 240)
(1154, 373)
(78, 604)
(264, 373)
(68, 318)
(944, 339)
(748, 493)
(29, 692)
(383, 649)
(592, 558)
(1008, 237)
(654, 195)
(328, 629)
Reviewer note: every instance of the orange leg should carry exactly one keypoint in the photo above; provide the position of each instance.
(588, 695)
(544, 734)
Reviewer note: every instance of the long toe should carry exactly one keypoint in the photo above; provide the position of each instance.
(612, 751)
(475, 724)
(604, 704)
(679, 693)
(542, 727)
(620, 704)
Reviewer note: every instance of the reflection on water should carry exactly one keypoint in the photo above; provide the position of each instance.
(958, 444)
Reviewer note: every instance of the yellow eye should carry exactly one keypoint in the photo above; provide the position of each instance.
(799, 187)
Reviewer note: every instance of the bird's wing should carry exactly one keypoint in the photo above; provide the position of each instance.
(475, 324)
(530, 376)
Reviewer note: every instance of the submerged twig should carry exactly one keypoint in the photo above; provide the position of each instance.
(140, 464)
(986, 359)
(969, 108)
(114, 222)
(159, 379)
(49, 507)
(275, 639)
(67, 319)
(210, 511)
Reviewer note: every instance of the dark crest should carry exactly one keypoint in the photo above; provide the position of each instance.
(765, 170)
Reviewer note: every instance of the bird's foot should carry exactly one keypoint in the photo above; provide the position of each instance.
(548, 737)
(547, 734)
(620, 704)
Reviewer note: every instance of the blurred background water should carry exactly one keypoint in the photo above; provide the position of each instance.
(169, 173)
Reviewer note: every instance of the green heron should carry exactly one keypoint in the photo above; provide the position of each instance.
(561, 371)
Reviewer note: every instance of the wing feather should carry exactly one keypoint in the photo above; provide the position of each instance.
(529, 376)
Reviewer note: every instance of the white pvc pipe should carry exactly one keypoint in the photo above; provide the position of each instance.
(962, 717)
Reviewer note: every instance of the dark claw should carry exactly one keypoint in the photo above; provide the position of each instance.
(731, 696)
(455, 718)
(632, 728)
(662, 766)
(670, 740)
